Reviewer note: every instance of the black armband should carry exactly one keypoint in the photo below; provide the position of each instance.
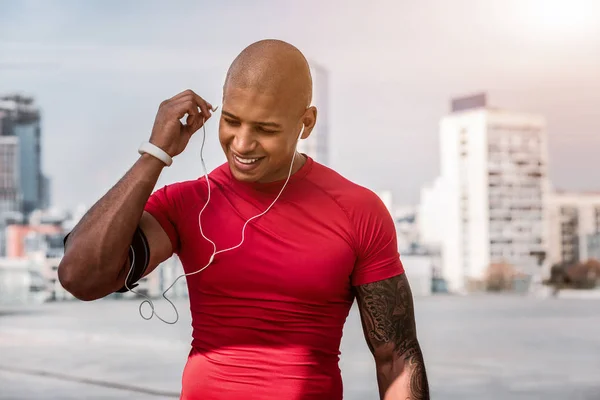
(65, 240)
(139, 256)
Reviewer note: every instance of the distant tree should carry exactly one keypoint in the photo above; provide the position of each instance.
(500, 277)
(594, 265)
(583, 275)
(558, 275)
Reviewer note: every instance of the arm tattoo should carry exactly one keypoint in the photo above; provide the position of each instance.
(388, 319)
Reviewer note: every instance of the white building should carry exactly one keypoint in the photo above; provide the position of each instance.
(46, 251)
(317, 144)
(10, 191)
(488, 204)
(419, 270)
(431, 214)
(407, 230)
(386, 197)
(404, 217)
(21, 282)
(573, 218)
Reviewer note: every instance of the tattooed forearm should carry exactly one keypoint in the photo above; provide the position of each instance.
(388, 320)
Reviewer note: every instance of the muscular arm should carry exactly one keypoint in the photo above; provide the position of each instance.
(95, 263)
(387, 314)
(96, 253)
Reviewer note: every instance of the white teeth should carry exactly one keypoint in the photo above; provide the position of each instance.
(246, 160)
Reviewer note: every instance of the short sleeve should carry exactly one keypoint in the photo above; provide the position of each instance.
(377, 253)
(162, 205)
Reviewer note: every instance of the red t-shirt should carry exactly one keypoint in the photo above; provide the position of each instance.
(267, 317)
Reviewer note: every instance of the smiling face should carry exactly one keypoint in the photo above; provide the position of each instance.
(258, 134)
(265, 104)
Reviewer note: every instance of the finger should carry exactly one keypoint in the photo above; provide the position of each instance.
(187, 92)
(194, 113)
(194, 125)
(182, 107)
(188, 131)
(202, 111)
(198, 123)
(205, 107)
(203, 104)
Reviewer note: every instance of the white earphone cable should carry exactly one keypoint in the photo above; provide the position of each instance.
(215, 252)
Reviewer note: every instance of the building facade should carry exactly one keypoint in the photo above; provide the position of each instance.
(20, 120)
(11, 195)
(488, 206)
(573, 218)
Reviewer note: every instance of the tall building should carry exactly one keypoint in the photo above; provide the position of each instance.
(317, 144)
(20, 119)
(11, 196)
(432, 214)
(487, 207)
(573, 218)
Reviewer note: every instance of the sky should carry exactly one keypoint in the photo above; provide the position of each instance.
(99, 69)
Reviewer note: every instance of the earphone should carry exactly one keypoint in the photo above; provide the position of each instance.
(215, 251)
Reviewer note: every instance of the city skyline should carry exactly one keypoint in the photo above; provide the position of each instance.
(391, 81)
(474, 121)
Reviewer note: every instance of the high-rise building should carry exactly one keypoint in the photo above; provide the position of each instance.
(317, 144)
(11, 196)
(10, 189)
(20, 118)
(573, 218)
(489, 206)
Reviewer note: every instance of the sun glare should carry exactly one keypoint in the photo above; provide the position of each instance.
(562, 18)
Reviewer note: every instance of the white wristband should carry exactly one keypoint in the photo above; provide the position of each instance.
(155, 151)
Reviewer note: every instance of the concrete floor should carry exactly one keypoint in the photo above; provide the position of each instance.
(480, 347)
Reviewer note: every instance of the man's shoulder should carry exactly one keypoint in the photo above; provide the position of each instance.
(368, 215)
(183, 187)
(197, 186)
(350, 195)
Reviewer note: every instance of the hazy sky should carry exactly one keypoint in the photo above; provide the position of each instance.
(99, 69)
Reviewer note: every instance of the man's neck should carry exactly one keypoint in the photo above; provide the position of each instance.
(299, 161)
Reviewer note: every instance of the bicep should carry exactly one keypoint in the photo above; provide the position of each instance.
(158, 241)
(159, 245)
(388, 318)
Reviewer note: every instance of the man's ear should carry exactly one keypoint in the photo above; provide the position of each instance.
(309, 120)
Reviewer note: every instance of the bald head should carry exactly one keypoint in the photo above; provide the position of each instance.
(273, 67)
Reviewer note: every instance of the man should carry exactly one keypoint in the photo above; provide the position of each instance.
(268, 315)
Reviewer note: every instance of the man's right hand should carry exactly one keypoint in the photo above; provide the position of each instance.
(168, 132)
